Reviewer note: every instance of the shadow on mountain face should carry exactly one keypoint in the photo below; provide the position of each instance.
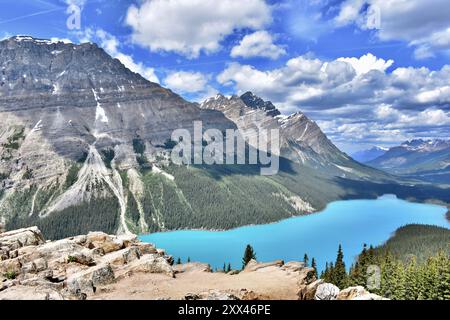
(217, 171)
(365, 189)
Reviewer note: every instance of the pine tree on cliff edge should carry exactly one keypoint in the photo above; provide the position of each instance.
(306, 260)
(339, 272)
(249, 254)
(314, 266)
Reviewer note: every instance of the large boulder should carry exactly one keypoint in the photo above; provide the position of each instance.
(152, 264)
(84, 257)
(20, 238)
(128, 239)
(352, 293)
(103, 242)
(122, 257)
(87, 281)
(30, 293)
(192, 267)
(103, 275)
(11, 267)
(308, 291)
(357, 293)
(146, 248)
(326, 291)
(254, 265)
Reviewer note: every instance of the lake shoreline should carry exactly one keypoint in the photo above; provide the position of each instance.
(350, 223)
(318, 211)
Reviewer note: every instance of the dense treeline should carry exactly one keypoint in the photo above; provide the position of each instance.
(394, 275)
(215, 199)
(100, 214)
(421, 241)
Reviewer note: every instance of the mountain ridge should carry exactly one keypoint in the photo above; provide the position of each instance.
(367, 155)
(428, 160)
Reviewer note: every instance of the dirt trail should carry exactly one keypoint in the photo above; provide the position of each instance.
(269, 283)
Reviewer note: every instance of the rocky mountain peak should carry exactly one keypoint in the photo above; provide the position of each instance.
(301, 138)
(32, 66)
(426, 145)
(256, 102)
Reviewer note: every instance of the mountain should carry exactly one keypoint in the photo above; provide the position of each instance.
(367, 155)
(301, 139)
(428, 160)
(85, 145)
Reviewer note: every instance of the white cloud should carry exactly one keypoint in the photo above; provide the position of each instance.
(186, 82)
(190, 27)
(367, 63)
(111, 45)
(424, 24)
(193, 85)
(354, 98)
(258, 44)
(78, 3)
(350, 11)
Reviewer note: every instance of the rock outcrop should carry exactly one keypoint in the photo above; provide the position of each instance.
(101, 266)
(72, 268)
(326, 291)
(319, 290)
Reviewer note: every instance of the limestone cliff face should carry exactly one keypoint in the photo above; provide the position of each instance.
(77, 95)
(66, 106)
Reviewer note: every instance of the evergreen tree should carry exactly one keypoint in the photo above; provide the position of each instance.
(229, 267)
(224, 267)
(443, 269)
(399, 278)
(412, 283)
(387, 277)
(179, 260)
(324, 273)
(249, 254)
(354, 276)
(189, 259)
(328, 274)
(306, 260)
(339, 271)
(314, 266)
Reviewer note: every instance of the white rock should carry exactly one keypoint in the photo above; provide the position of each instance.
(326, 291)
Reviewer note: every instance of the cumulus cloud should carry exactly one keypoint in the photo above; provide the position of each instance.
(186, 82)
(350, 11)
(193, 85)
(368, 62)
(424, 24)
(258, 44)
(353, 97)
(111, 45)
(189, 27)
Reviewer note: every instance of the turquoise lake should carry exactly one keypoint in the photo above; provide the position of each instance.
(350, 223)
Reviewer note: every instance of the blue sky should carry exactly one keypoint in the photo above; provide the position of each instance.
(369, 72)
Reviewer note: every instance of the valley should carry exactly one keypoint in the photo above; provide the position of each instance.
(92, 151)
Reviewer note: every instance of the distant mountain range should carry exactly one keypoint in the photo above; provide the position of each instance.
(84, 146)
(428, 160)
(364, 156)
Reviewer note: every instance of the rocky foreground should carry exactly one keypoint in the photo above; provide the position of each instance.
(101, 266)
